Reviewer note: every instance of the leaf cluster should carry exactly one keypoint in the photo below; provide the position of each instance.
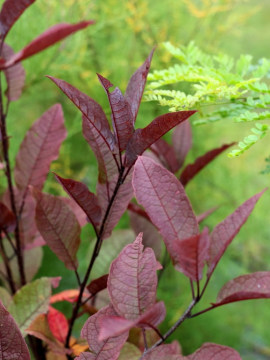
(220, 87)
(121, 304)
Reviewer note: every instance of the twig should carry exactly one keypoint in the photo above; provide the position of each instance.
(120, 180)
(185, 315)
(7, 267)
(10, 187)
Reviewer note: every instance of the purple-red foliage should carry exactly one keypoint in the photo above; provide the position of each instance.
(30, 218)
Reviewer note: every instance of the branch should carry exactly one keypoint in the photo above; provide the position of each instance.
(185, 316)
(9, 276)
(10, 187)
(95, 254)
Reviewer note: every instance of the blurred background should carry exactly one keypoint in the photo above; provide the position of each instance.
(124, 34)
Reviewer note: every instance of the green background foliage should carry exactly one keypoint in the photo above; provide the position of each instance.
(124, 33)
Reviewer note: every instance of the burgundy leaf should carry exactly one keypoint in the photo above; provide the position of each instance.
(98, 285)
(132, 280)
(245, 287)
(136, 209)
(10, 12)
(7, 219)
(83, 197)
(164, 198)
(48, 38)
(27, 225)
(213, 352)
(166, 155)
(144, 138)
(191, 254)
(99, 140)
(225, 232)
(121, 199)
(205, 214)
(122, 118)
(101, 350)
(151, 236)
(182, 141)
(96, 129)
(165, 352)
(114, 325)
(136, 85)
(76, 209)
(193, 169)
(13, 346)
(39, 148)
(58, 226)
(15, 76)
(58, 324)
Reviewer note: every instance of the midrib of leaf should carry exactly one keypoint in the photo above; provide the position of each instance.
(59, 237)
(158, 197)
(40, 285)
(97, 147)
(21, 326)
(99, 131)
(138, 287)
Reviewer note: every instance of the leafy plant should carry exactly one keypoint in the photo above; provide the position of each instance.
(30, 218)
(206, 80)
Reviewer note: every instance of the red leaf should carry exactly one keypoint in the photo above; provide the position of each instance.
(7, 219)
(10, 12)
(15, 76)
(66, 295)
(114, 325)
(122, 118)
(132, 280)
(205, 214)
(191, 254)
(48, 38)
(105, 350)
(225, 232)
(83, 197)
(27, 225)
(151, 236)
(136, 209)
(39, 148)
(98, 285)
(245, 287)
(13, 346)
(58, 226)
(166, 155)
(120, 203)
(164, 198)
(143, 138)
(136, 86)
(96, 129)
(77, 210)
(41, 330)
(193, 169)
(165, 352)
(213, 352)
(58, 324)
(182, 141)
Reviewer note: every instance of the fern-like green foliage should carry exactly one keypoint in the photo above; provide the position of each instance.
(198, 80)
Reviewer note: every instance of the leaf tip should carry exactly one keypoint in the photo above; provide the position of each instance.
(104, 82)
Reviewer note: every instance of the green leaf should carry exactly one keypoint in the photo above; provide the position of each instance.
(30, 301)
(5, 297)
(258, 133)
